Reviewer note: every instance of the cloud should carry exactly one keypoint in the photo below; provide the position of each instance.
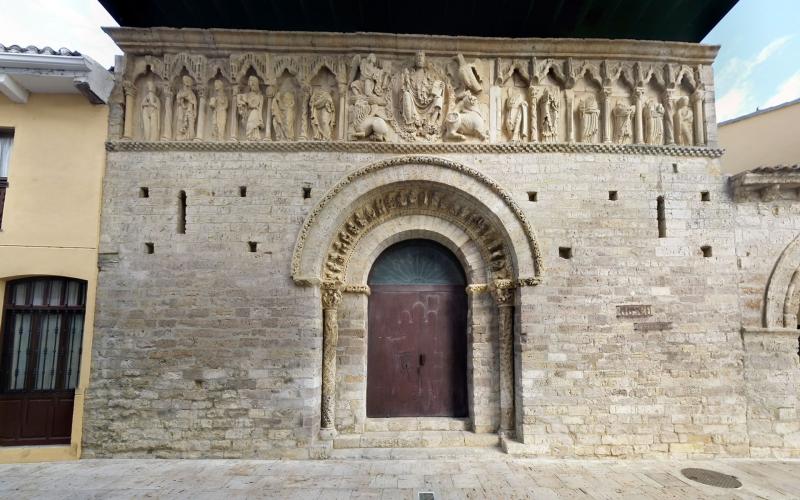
(740, 99)
(732, 104)
(788, 90)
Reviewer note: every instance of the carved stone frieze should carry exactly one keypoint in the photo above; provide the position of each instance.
(408, 97)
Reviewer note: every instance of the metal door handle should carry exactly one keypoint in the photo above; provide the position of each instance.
(421, 360)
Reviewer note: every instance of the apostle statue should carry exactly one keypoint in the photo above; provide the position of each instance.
(589, 114)
(685, 122)
(653, 123)
(549, 115)
(249, 106)
(219, 106)
(186, 110)
(623, 130)
(323, 114)
(516, 109)
(283, 115)
(422, 98)
(151, 112)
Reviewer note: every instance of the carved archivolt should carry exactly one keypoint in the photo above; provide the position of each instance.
(412, 98)
(413, 197)
(783, 290)
(418, 198)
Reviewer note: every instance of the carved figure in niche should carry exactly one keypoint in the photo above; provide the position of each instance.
(549, 117)
(623, 131)
(468, 75)
(219, 105)
(423, 98)
(371, 109)
(283, 115)
(516, 109)
(249, 106)
(466, 120)
(323, 114)
(186, 112)
(151, 112)
(589, 114)
(685, 122)
(375, 79)
(653, 122)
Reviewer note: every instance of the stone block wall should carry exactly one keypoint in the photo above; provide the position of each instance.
(204, 348)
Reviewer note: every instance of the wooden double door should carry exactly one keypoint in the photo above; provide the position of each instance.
(417, 349)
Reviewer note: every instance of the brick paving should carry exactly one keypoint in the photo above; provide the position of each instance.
(497, 478)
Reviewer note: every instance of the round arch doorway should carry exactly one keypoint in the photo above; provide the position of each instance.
(417, 333)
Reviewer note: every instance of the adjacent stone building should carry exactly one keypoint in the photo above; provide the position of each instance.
(314, 244)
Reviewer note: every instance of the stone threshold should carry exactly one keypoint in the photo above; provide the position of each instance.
(416, 424)
(416, 439)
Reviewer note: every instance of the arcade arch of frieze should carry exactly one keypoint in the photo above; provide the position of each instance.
(392, 199)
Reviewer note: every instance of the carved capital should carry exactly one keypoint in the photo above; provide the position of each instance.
(477, 288)
(503, 292)
(129, 88)
(638, 94)
(166, 89)
(201, 91)
(331, 294)
(607, 91)
(271, 91)
(698, 95)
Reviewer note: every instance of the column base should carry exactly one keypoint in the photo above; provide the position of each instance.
(327, 434)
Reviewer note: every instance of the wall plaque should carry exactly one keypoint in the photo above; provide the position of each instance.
(634, 311)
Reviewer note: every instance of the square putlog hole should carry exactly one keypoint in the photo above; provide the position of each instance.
(242, 191)
(149, 248)
(565, 252)
(533, 196)
(144, 192)
(706, 249)
(705, 196)
(252, 246)
(613, 196)
(306, 192)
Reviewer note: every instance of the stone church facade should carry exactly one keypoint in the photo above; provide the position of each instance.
(622, 297)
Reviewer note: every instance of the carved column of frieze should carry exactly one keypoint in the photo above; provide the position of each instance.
(130, 98)
(503, 292)
(234, 130)
(638, 97)
(569, 94)
(699, 117)
(341, 130)
(331, 298)
(306, 97)
(201, 112)
(268, 124)
(606, 97)
(533, 113)
(166, 130)
(669, 117)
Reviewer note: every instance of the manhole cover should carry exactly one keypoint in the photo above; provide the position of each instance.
(712, 478)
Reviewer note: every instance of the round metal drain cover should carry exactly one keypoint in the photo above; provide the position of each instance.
(712, 478)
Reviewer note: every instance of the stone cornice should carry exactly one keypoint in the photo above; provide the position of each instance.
(220, 42)
(412, 148)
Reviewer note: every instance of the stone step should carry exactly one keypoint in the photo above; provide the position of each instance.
(416, 424)
(416, 439)
(452, 453)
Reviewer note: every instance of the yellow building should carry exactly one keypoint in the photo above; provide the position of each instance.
(53, 121)
(767, 137)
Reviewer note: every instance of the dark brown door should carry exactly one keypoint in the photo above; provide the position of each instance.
(40, 359)
(417, 333)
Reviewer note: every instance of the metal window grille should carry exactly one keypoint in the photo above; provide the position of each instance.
(42, 334)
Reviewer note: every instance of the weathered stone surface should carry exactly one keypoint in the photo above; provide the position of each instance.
(213, 345)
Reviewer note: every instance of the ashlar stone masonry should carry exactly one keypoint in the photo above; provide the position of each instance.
(624, 298)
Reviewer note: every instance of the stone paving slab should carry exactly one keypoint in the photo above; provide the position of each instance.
(506, 478)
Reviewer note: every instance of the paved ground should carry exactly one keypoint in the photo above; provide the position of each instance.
(502, 478)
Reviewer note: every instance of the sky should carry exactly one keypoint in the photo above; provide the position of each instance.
(757, 67)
